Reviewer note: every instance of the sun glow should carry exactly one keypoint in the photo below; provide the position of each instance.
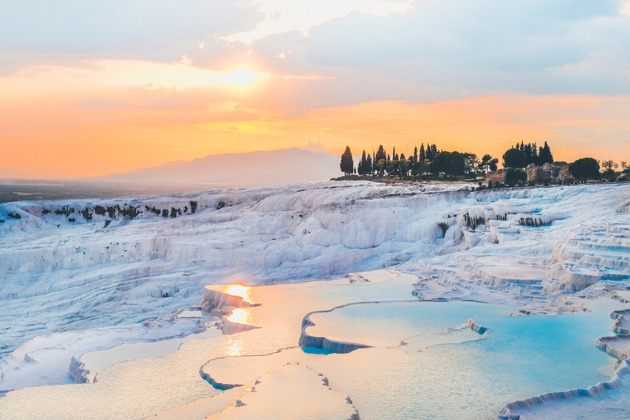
(238, 290)
(240, 77)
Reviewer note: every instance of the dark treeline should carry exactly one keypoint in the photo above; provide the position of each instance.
(430, 162)
(425, 161)
(525, 154)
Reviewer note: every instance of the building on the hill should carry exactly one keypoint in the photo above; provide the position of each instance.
(496, 177)
(549, 172)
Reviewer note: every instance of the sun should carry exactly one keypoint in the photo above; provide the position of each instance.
(240, 77)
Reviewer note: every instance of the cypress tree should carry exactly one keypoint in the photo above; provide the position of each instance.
(403, 167)
(347, 163)
(545, 155)
(527, 154)
(363, 167)
(380, 155)
(432, 151)
(423, 155)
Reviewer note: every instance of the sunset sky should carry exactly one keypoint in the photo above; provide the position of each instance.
(98, 87)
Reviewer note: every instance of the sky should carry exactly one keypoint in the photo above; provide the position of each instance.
(100, 87)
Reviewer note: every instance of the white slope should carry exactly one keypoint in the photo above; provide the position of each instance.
(84, 265)
(251, 169)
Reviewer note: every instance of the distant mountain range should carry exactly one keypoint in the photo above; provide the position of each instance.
(7, 173)
(284, 166)
(233, 170)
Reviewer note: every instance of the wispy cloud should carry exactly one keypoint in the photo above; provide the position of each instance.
(287, 15)
(36, 31)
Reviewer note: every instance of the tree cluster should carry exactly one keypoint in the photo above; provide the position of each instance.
(524, 154)
(424, 161)
(365, 166)
(488, 163)
(430, 153)
(428, 160)
(585, 168)
(514, 176)
(452, 163)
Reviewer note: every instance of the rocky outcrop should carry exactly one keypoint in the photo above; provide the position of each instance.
(617, 346)
(557, 171)
(622, 322)
(224, 305)
(548, 172)
(307, 340)
(78, 372)
(497, 176)
(476, 327)
(534, 173)
(218, 301)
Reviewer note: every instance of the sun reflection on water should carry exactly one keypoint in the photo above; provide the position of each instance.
(238, 290)
(234, 345)
(242, 316)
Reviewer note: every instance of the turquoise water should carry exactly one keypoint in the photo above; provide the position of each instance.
(459, 374)
(315, 350)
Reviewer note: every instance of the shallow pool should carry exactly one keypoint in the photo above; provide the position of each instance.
(442, 371)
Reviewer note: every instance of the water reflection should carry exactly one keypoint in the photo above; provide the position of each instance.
(234, 345)
(244, 292)
(242, 316)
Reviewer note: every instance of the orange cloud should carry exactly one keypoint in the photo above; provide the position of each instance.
(65, 134)
(574, 126)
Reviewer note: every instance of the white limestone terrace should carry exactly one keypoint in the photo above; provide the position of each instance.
(171, 385)
(73, 270)
(119, 263)
(584, 252)
(618, 345)
(622, 322)
(266, 360)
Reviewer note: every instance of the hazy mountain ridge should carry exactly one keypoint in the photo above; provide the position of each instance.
(8, 173)
(307, 164)
(274, 167)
